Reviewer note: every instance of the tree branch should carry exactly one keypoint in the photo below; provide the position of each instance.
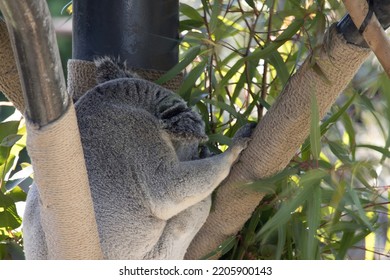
(373, 34)
(278, 137)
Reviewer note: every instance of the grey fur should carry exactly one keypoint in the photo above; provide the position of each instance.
(151, 193)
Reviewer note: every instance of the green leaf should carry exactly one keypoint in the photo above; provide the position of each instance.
(359, 207)
(188, 25)
(282, 235)
(309, 182)
(334, 4)
(191, 78)
(384, 151)
(259, 53)
(10, 140)
(345, 244)
(351, 133)
(313, 221)
(10, 250)
(188, 58)
(16, 194)
(6, 111)
(225, 247)
(190, 12)
(340, 151)
(315, 134)
(277, 61)
(329, 122)
(215, 12)
(9, 218)
(8, 128)
(250, 3)
(221, 139)
(225, 107)
(268, 185)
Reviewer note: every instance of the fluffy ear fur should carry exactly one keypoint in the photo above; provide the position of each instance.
(111, 69)
(179, 120)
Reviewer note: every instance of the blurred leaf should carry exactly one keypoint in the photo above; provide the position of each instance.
(9, 218)
(268, 185)
(315, 134)
(340, 151)
(351, 133)
(17, 194)
(329, 122)
(259, 53)
(313, 221)
(345, 244)
(8, 128)
(190, 12)
(227, 245)
(335, 4)
(216, 10)
(10, 140)
(221, 139)
(251, 3)
(282, 235)
(224, 107)
(277, 61)
(385, 152)
(188, 58)
(309, 182)
(360, 210)
(6, 111)
(191, 78)
(9, 250)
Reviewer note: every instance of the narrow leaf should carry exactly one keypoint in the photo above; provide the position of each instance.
(188, 58)
(315, 134)
(190, 12)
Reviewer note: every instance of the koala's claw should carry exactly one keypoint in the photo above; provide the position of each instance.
(245, 131)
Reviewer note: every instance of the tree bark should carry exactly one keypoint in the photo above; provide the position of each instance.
(57, 157)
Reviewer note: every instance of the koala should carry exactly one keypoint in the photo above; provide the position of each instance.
(150, 190)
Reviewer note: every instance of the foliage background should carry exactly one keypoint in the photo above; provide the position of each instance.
(332, 201)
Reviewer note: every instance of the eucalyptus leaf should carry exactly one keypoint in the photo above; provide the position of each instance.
(315, 134)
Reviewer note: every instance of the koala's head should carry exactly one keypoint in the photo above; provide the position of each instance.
(184, 126)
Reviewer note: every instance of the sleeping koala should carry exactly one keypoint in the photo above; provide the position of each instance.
(151, 192)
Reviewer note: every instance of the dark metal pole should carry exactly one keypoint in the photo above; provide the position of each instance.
(142, 32)
(39, 65)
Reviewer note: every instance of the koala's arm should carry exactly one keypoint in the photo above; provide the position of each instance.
(187, 183)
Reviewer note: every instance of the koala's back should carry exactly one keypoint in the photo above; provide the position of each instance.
(123, 146)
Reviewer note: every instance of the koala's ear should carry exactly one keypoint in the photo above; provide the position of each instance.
(110, 69)
(187, 125)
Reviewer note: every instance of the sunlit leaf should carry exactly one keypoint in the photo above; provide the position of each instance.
(9, 218)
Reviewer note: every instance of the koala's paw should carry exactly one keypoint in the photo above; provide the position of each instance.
(241, 139)
(245, 132)
(204, 152)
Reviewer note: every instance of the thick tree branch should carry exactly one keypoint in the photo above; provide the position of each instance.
(277, 138)
(373, 34)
